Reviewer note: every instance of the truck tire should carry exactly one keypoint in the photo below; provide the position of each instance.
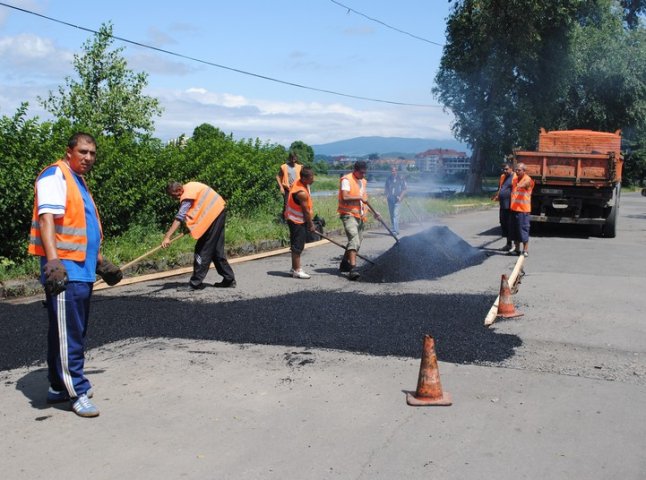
(609, 229)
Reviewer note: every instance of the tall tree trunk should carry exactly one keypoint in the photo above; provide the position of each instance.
(474, 178)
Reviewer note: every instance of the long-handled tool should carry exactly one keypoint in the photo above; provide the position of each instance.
(342, 246)
(141, 257)
(378, 217)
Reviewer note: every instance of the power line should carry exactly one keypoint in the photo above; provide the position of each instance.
(212, 64)
(386, 25)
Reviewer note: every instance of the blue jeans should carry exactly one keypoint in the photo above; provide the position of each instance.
(393, 208)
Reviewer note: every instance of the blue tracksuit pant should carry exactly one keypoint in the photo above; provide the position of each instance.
(68, 319)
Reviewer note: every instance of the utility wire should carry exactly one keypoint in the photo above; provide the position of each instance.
(386, 25)
(212, 64)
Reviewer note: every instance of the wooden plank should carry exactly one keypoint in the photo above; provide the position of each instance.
(184, 270)
(493, 311)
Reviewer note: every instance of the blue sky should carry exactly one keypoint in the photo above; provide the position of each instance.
(315, 43)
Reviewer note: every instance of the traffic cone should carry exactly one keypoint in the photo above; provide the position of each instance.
(429, 389)
(505, 306)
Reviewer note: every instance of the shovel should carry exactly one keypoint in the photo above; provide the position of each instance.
(340, 245)
(378, 217)
(141, 257)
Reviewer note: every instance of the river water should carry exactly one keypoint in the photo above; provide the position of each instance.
(425, 189)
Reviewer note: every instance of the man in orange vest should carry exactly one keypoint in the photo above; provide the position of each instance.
(521, 207)
(353, 203)
(503, 196)
(204, 212)
(289, 172)
(66, 233)
(299, 215)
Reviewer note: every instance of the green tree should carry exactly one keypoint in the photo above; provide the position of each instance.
(500, 70)
(632, 10)
(107, 97)
(304, 151)
(607, 84)
(27, 146)
(562, 64)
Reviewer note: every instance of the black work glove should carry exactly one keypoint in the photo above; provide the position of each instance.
(109, 272)
(55, 277)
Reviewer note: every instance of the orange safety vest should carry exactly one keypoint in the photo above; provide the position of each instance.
(70, 228)
(294, 211)
(284, 174)
(353, 207)
(521, 197)
(206, 207)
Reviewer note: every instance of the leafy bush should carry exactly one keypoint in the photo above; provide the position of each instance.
(26, 147)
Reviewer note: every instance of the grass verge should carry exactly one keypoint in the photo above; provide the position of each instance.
(244, 235)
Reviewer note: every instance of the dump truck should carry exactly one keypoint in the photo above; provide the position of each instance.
(577, 176)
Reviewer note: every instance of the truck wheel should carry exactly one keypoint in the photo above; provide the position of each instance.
(609, 229)
(643, 192)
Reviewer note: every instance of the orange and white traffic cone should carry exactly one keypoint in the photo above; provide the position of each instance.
(429, 389)
(505, 305)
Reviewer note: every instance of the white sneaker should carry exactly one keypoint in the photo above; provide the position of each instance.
(300, 274)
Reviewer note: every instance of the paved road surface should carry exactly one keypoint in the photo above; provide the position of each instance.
(282, 378)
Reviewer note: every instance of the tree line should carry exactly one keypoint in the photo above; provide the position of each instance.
(510, 67)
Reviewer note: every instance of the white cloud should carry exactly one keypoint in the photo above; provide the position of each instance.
(28, 55)
(284, 122)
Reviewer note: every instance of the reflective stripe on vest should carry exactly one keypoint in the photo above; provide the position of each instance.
(294, 211)
(70, 228)
(353, 207)
(521, 197)
(207, 206)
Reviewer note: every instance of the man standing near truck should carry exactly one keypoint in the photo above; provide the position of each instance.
(521, 207)
(503, 196)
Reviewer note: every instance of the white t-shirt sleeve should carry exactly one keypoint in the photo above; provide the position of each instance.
(51, 189)
(345, 185)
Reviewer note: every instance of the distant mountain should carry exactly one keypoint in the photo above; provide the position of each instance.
(357, 147)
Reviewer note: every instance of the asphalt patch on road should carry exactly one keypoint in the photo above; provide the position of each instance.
(371, 324)
(429, 254)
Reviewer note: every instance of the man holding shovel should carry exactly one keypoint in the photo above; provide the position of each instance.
(204, 212)
(353, 200)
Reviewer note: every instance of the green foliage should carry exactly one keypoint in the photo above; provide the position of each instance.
(607, 84)
(304, 152)
(27, 147)
(128, 182)
(511, 67)
(107, 97)
(243, 172)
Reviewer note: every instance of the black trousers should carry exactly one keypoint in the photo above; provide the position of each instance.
(210, 248)
(507, 224)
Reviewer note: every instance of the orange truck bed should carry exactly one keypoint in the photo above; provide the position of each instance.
(577, 175)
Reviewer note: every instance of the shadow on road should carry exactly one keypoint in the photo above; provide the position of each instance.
(371, 324)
